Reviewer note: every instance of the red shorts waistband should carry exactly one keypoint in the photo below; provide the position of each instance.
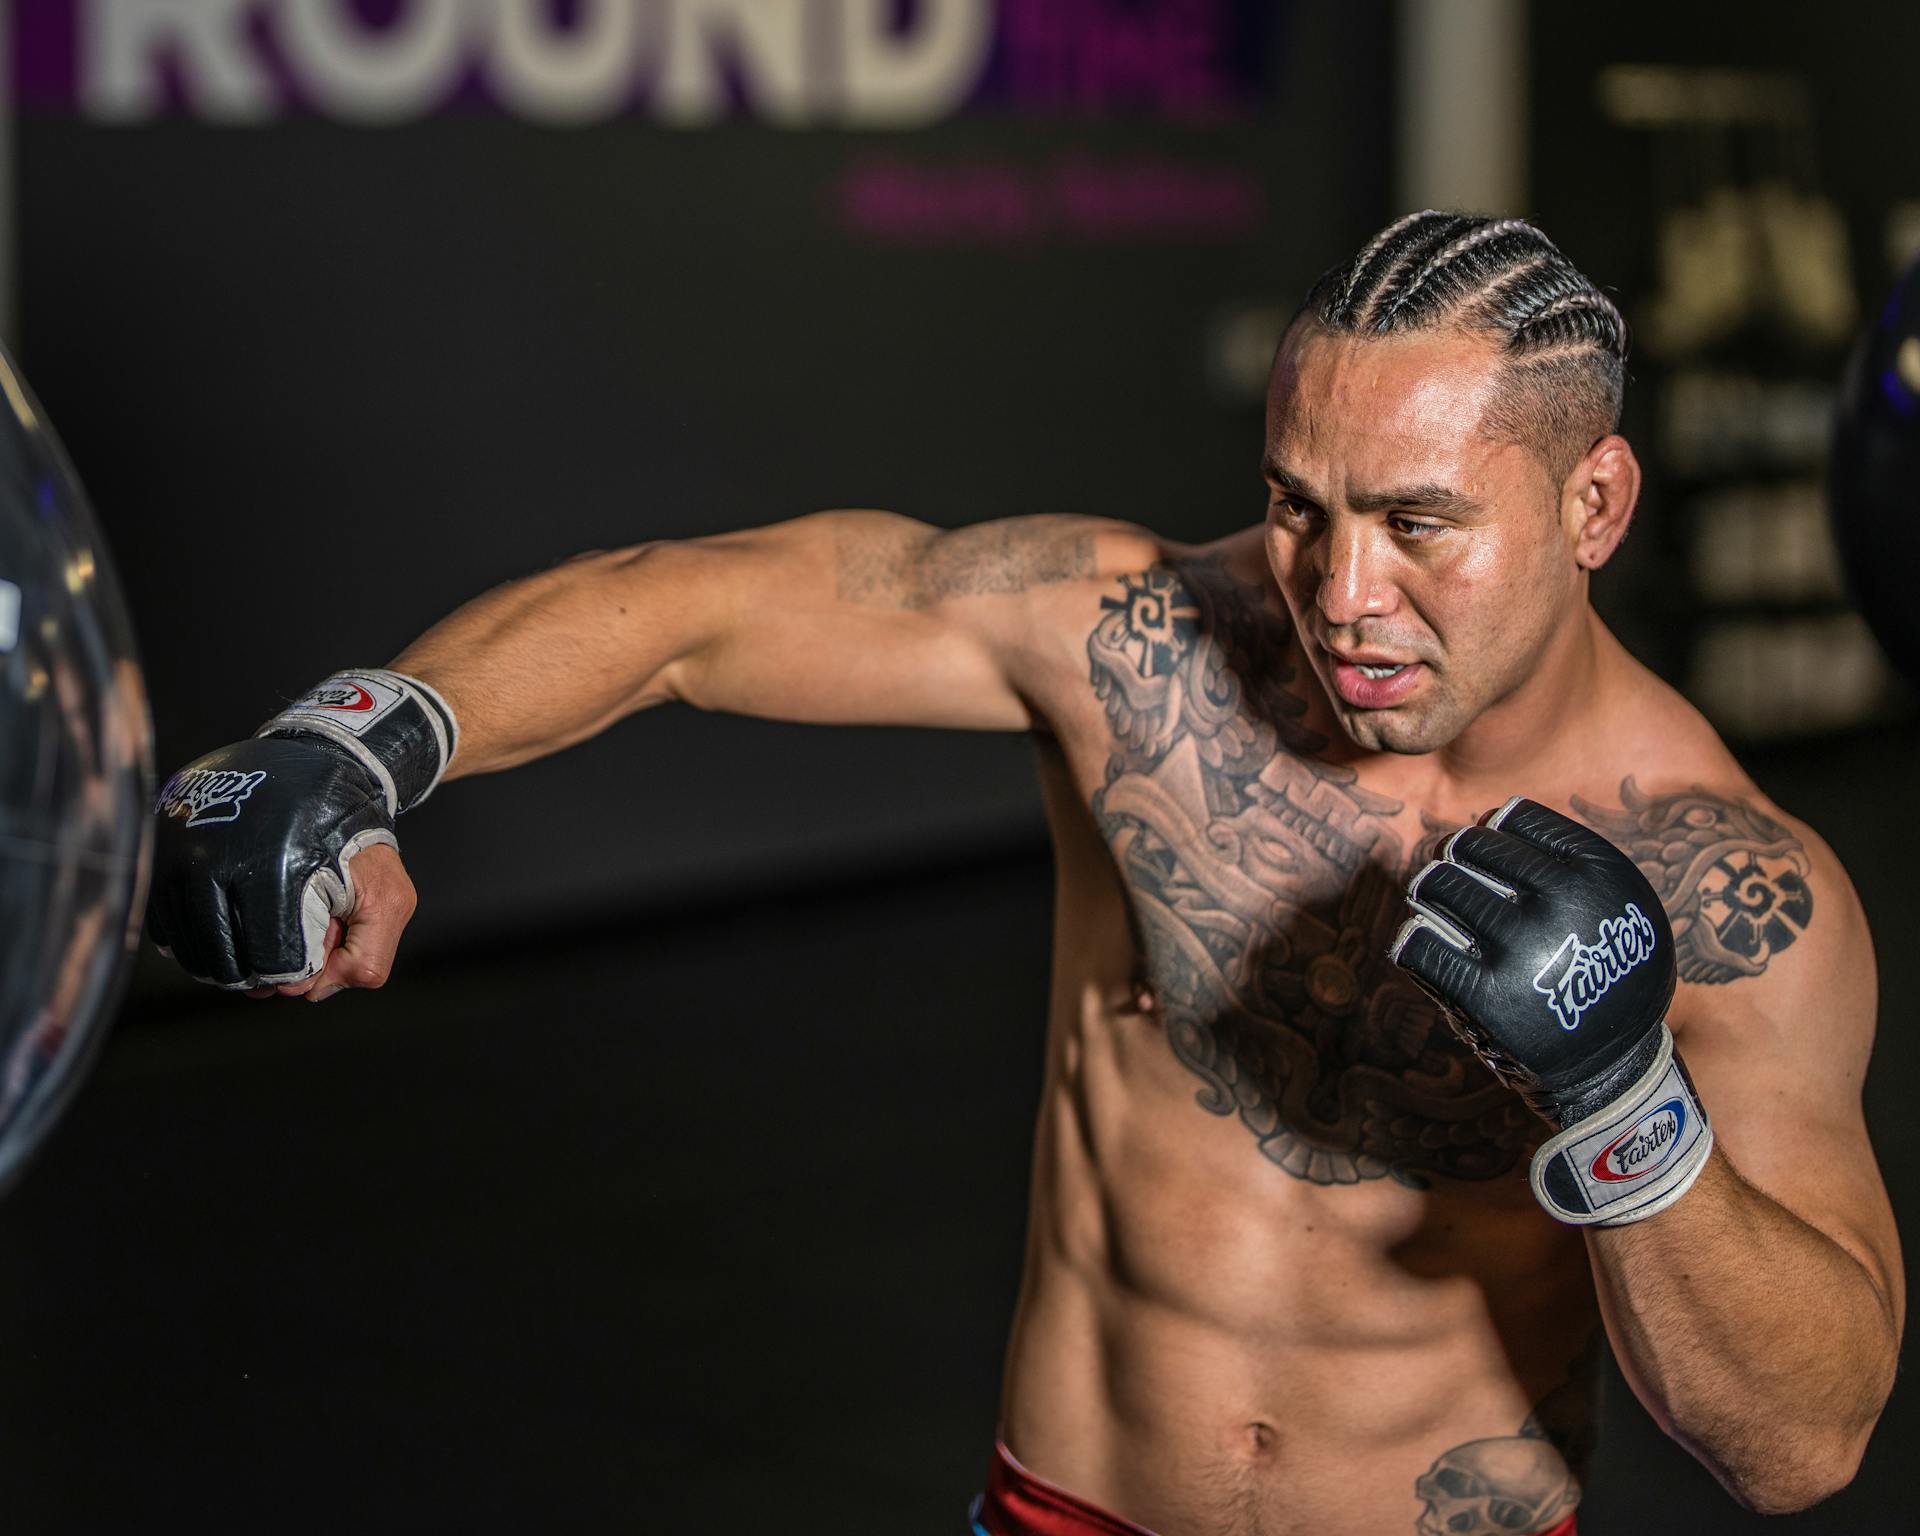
(1016, 1503)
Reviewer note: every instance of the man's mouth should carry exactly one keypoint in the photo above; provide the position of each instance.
(1374, 682)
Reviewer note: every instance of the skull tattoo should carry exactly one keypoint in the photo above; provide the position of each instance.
(1508, 1486)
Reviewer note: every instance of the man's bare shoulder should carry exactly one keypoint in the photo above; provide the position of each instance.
(1751, 889)
(1067, 566)
(1118, 556)
(1124, 562)
(1101, 552)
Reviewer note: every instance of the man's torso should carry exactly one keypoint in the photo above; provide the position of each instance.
(1284, 1270)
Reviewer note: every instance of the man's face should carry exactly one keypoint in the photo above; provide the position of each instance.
(1427, 568)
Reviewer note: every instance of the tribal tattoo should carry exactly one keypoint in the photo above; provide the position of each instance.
(878, 565)
(1734, 880)
(1266, 887)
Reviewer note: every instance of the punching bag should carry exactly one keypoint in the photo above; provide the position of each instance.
(75, 780)
(1874, 475)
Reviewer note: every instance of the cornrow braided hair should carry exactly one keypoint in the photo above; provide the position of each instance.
(1357, 268)
(1443, 263)
(1565, 339)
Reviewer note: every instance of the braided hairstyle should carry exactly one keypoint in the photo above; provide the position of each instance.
(1564, 341)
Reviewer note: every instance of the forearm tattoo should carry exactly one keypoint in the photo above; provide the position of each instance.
(876, 566)
(1266, 886)
(1733, 879)
(1527, 1481)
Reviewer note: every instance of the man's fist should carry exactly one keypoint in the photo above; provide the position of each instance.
(1551, 956)
(360, 947)
(254, 884)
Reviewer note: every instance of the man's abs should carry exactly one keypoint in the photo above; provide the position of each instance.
(1206, 1344)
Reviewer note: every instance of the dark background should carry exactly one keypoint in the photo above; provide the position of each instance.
(360, 375)
(681, 1175)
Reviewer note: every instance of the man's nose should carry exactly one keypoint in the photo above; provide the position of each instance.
(1355, 583)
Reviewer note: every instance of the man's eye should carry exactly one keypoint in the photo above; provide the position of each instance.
(1293, 511)
(1416, 530)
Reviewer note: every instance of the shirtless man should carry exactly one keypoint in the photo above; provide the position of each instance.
(1285, 1269)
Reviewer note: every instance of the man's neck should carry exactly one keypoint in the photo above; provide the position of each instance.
(1544, 733)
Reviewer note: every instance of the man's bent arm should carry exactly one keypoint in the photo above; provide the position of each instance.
(842, 617)
(1759, 1316)
(1749, 1275)
(1754, 1338)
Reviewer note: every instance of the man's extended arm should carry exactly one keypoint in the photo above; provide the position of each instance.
(276, 864)
(842, 617)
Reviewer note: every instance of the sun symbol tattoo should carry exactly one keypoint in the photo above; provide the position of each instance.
(1161, 620)
(1757, 906)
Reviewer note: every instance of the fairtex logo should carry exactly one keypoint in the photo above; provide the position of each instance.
(1644, 1146)
(205, 795)
(338, 696)
(1579, 975)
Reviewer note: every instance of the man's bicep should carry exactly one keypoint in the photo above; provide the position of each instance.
(865, 617)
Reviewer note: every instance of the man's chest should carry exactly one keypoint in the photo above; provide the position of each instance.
(1262, 883)
(1263, 887)
(1263, 913)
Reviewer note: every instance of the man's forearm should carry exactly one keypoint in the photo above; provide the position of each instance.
(551, 659)
(1758, 1342)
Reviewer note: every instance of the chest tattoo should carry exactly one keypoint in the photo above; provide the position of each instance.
(1266, 885)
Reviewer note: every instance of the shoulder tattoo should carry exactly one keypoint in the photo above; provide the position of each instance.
(1734, 881)
(1007, 556)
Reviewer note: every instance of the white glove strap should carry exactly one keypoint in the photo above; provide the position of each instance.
(348, 707)
(1632, 1159)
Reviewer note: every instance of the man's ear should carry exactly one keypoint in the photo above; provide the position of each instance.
(1597, 500)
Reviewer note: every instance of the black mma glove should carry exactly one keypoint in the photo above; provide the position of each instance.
(1550, 955)
(255, 842)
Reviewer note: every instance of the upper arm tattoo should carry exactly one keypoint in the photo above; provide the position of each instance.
(1007, 556)
(1734, 881)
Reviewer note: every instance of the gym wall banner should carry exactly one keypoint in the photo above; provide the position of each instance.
(871, 64)
(352, 308)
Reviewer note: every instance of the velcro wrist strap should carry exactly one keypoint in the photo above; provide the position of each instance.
(1631, 1159)
(399, 729)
